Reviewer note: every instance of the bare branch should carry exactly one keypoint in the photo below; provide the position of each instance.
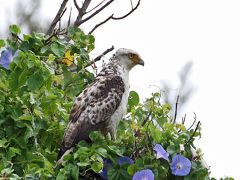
(58, 16)
(79, 22)
(76, 5)
(115, 18)
(69, 18)
(146, 119)
(195, 119)
(98, 58)
(184, 119)
(81, 11)
(101, 23)
(195, 130)
(131, 4)
(95, 7)
(55, 33)
(130, 12)
(176, 108)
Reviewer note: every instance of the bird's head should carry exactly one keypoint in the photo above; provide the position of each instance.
(128, 58)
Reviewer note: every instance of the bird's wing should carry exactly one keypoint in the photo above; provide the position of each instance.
(92, 108)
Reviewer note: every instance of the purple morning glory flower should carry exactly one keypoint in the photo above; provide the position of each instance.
(160, 152)
(125, 160)
(7, 57)
(180, 165)
(145, 174)
(106, 164)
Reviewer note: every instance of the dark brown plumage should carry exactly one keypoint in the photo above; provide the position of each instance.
(103, 103)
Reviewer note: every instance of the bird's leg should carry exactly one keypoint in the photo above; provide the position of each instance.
(113, 134)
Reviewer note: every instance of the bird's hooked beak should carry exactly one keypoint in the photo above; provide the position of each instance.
(141, 62)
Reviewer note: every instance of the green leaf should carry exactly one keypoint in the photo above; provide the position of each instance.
(91, 39)
(13, 79)
(90, 47)
(23, 77)
(51, 57)
(34, 82)
(26, 37)
(75, 172)
(102, 152)
(14, 29)
(12, 152)
(132, 169)
(2, 43)
(58, 49)
(3, 143)
(44, 49)
(171, 149)
(25, 117)
(116, 150)
(83, 164)
(61, 175)
(1, 108)
(25, 46)
(97, 166)
(133, 99)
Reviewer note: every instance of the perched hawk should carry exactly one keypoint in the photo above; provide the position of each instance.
(103, 103)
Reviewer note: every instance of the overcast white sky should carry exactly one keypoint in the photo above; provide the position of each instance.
(168, 34)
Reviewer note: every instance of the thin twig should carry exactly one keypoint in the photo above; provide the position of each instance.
(17, 37)
(146, 119)
(176, 108)
(69, 18)
(114, 18)
(149, 139)
(130, 12)
(98, 58)
(184, 119)
(95, 7)
(195, 130)
(195, 119)
(131, 4)
(183, 122)
(101, 23)
(54, 34)
(56, 19)
(60, 17)
(78, 23)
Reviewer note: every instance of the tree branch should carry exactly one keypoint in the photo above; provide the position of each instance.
(195, 130)
(69, 18)
(76, 5)
(79, 22)
(114, 18)
(55, 33)
(176, 108)
(146, 119)
(98, 58)
(130, 12)
(58, 16)
(195, 119)
(81, 11)
(95, 7)
(101, 23)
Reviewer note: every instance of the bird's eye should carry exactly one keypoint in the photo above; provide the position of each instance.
(130, 56)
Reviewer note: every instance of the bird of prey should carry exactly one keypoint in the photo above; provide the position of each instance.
(103, 103)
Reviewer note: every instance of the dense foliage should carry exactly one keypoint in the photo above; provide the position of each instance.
(36, 93)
